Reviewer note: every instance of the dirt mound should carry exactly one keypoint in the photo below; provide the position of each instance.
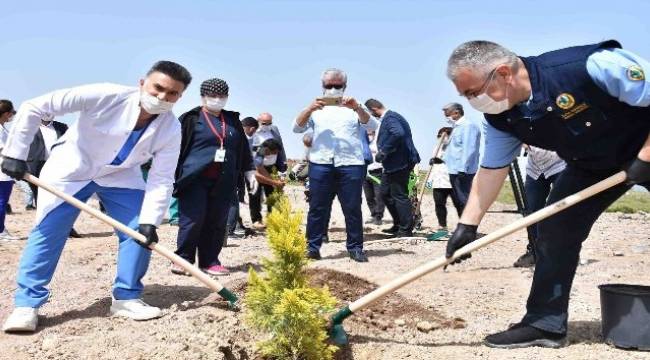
(390, 317)
(391, 314)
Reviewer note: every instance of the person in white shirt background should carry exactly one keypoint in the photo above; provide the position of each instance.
(119, 128)
(336, 162)
(542, 170)
(265, 131)
(439, 180)
(7, 113)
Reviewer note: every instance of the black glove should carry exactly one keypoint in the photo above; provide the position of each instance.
(431, 161)
(637, 172)
(463, 235)
(149, 232)
(14, 168)
(380, 156)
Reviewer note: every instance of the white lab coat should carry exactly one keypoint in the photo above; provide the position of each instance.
(107, 115)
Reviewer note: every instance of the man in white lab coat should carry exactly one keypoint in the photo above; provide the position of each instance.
(119, 128)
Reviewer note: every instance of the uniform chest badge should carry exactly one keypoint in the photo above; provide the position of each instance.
(635, 73)
(565, 101)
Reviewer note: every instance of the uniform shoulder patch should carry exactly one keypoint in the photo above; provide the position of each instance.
(565, 101)
(635, 73)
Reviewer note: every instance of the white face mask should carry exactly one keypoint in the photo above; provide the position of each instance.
(265, 127)
(153, 105)
(450, 120)
(485, 104)
(215, 103)
(333, 92)
(270, 159)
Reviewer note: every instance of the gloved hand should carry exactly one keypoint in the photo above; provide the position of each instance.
(14, 168)
(637, 172)
(380, 156)
(463, 235)
(149, 232)
(252, 181)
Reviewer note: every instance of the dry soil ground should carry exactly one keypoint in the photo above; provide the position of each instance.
(462, 305)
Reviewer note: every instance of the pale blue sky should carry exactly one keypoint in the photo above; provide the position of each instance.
(272, 52)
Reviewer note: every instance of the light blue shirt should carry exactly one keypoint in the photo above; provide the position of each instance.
(609, 70)
(463, 150)
(337, 136)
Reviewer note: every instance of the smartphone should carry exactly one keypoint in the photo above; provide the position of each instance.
(331, 101)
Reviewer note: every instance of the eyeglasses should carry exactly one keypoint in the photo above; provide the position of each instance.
(333, 86)
(485, 84)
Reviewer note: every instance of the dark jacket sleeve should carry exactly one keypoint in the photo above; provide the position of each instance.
(395, 134)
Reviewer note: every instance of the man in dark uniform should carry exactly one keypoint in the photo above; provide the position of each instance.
(587, 103)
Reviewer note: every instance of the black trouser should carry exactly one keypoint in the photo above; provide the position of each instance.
(394, 190)
(372, 191)
(440, 199)
(461, 184)
(558, 245)
(203, 214)
(255, 202)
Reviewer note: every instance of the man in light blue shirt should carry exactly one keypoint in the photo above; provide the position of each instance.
(462, 152)
(336, 162)
(589, 104)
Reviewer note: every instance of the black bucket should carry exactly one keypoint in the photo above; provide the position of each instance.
(625, 311)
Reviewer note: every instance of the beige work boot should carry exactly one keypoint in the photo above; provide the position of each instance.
(258, 225)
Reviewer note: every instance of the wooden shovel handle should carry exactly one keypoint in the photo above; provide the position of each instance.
(436, 151)
(196, 272)
(496, 235)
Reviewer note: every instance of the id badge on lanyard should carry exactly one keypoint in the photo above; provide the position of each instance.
(220, 154)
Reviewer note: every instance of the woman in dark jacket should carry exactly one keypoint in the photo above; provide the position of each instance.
(214, 151)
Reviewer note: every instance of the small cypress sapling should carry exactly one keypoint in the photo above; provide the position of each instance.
(281, 302)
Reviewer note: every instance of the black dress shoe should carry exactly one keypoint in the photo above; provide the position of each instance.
(74, 234)
(314, 255)
(526, 260)
(401, 234)
(358, 256)
(523, 335)
(391, 230)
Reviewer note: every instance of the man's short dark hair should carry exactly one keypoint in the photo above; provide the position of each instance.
(454, 107)
(271, 144)
(173, 70)
(6, 106)
(446, 130)
(374, 103)
(250, 121)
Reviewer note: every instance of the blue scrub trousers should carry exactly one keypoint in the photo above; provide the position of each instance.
(325, 182)
(46, 241)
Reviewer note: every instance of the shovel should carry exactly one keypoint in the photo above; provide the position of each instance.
(194, 271)
(436, 151)
(337, 332)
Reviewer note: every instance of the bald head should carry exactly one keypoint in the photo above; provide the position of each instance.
(265, 119)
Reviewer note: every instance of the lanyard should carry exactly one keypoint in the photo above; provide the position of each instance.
(222, 137)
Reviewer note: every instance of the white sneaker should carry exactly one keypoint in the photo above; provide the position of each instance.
(135, 309)
(22, 319)
(5, 235)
